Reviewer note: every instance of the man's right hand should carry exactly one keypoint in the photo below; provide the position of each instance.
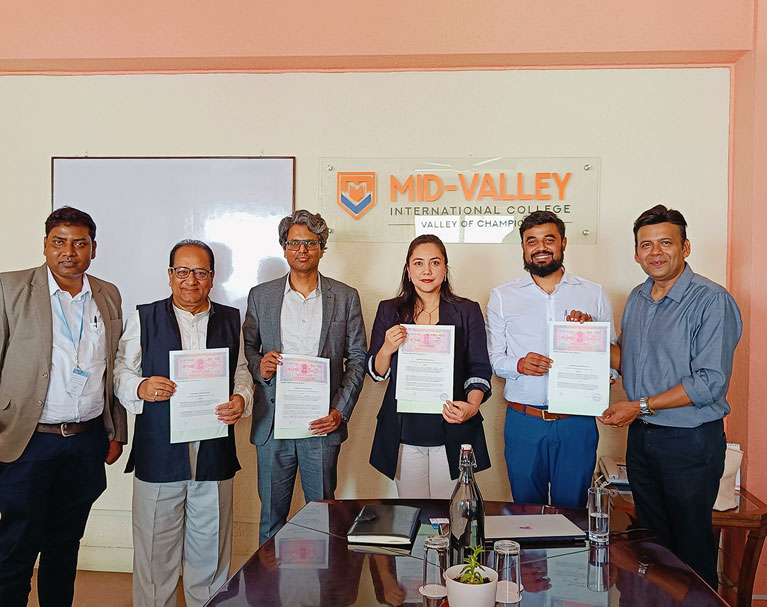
(156, 388)
(269, 362)
(534, 364)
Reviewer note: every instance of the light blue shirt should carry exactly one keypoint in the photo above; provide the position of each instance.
(688, 337)
(518, 316)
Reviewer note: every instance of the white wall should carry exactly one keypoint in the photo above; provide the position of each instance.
(661, 134)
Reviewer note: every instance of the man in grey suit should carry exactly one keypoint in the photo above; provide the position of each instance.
(59, 419)
(313, 315)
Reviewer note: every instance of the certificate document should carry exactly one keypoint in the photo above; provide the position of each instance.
(425, 368)
(202, 383)
(579, 378)
(303, 395)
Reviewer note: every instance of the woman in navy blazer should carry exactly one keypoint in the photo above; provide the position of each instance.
(421, 451)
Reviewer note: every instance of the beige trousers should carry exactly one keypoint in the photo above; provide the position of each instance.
(185, 525)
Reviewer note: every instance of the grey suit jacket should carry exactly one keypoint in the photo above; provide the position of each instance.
(342, 336)
(26, 341)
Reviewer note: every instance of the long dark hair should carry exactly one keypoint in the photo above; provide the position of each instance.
(407, 297)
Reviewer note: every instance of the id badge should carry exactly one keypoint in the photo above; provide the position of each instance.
(76, 383)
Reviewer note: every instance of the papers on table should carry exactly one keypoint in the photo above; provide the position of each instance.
(303, 395)
(202, 383)
(425, 368)
(579, 378)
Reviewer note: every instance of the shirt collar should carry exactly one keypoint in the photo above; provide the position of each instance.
(676, 292)
(183, 312)
(53, 286)
(288, 288)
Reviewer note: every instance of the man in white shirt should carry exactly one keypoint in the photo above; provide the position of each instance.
(310, 314)
(547, 455)
(182, 492)
(59, 420)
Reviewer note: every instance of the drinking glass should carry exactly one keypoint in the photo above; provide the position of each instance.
(433, 590)
(507, 565)
(599, 515)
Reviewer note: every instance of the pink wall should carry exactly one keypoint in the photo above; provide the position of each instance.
(37, 36)
(106, 35)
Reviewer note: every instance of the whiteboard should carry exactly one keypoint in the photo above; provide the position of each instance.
(143, 206)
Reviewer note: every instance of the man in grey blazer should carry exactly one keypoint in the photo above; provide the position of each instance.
(312, 315)
(59, 420)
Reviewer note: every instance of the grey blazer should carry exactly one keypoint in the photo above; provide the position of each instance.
(342, 337)
(26, 341)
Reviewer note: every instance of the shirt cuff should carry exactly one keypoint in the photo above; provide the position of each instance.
(372, 371)
(476, 383)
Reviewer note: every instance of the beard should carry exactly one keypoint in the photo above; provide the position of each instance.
(543, 271)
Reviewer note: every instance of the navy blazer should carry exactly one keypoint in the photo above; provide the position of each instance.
(471, 363)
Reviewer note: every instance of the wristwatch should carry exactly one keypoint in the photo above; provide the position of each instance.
(644, 407)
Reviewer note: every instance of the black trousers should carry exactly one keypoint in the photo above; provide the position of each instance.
(674, 475)
(45, 498)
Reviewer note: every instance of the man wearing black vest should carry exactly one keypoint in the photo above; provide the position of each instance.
(182, 492)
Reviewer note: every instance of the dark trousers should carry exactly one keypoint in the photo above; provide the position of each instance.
(674, 475)
(45, 498)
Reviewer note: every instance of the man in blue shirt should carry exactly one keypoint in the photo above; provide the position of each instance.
(679, 332)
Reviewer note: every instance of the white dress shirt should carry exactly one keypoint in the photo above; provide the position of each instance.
(518, 314)
(62, 406)
(194, 335)
(301, 321)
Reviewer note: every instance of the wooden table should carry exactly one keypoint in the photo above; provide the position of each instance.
(309, 562)
(750, 515)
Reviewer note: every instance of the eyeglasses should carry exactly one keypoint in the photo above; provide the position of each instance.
(199, 273)
(295, 245)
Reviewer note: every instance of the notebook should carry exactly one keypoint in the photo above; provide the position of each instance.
(532, 527)
(386, 524)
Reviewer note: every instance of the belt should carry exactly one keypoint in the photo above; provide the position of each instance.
(71, 428)
(536, 412)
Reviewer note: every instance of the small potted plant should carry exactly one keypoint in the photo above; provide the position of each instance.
(472, 584)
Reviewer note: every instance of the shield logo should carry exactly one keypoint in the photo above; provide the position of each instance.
(356, 192)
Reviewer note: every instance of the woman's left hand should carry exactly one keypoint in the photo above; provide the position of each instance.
(458, 411)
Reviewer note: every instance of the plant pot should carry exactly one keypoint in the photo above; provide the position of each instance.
(470, 595)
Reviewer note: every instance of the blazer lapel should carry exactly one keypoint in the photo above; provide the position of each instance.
(101, 303)
(274, 314)
(42, 303)
(328, 309)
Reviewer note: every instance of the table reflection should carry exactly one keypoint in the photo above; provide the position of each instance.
(309, 564)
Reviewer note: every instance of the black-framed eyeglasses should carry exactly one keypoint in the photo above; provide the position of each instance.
(295, 245)
(199, 273)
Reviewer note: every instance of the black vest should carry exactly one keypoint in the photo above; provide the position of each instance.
(153, 457)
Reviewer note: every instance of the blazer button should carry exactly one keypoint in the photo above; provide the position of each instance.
(45, 376)
(272, 400)
(39, 403)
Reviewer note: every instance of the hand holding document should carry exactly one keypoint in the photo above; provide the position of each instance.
(202, 382)
(425, 369)
(579, 379)
(303, 395)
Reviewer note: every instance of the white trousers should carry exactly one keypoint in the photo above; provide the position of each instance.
(422, 472)
(182, 524)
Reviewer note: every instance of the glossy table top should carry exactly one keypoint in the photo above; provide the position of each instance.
(309, 563)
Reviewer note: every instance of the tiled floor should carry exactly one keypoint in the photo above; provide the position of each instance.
(97, 589)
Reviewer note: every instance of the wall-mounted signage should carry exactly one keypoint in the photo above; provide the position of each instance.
(460, 200)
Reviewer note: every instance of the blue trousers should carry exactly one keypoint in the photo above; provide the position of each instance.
(674, 475)
(278, 465)
(550, 457)
(45, 498)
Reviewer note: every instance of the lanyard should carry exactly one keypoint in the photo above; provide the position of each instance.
(76, 346)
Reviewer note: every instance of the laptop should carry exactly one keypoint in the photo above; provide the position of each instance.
(533, 528)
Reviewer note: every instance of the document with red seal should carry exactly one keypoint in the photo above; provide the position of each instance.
(202, 383)
(302, 395)
(579, 378)
(425, 369)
